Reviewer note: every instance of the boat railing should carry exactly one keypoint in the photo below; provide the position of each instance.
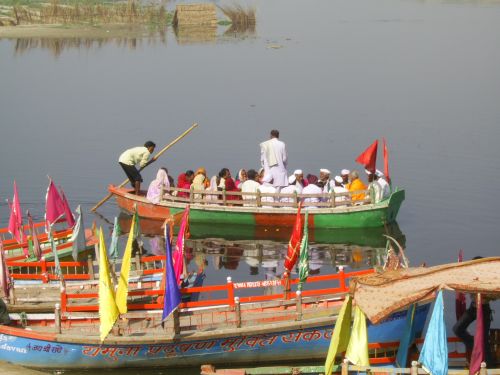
(11, 244)
(265, 200)
(149, 299)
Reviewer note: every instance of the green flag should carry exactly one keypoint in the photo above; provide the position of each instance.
(113, 247)
(56, 256)
(304, 256)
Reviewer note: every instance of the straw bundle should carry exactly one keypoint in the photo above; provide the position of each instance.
(195, 15)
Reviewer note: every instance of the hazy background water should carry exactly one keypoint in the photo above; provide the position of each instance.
(331, 75)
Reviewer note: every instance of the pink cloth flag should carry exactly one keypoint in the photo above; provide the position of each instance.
(16, 217)
(178, 255)
(54, 206)
(4, 273)
(478, 353)
(36, 244)
(70, 218)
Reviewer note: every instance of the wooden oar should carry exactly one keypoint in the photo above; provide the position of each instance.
(153, 159)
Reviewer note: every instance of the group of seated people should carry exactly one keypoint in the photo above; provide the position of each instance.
(347, 187)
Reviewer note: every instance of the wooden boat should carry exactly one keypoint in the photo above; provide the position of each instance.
(258, 212)
(237, 329)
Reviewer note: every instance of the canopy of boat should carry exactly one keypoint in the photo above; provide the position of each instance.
(381, 294)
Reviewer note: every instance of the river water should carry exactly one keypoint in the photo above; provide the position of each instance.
(331, 75)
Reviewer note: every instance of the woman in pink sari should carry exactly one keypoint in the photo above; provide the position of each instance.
(158, 185)
(184, 182)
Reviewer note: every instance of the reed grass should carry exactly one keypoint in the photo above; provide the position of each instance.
(242, 19)
(55, 12)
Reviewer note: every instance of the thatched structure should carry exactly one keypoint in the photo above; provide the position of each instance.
(187, 15)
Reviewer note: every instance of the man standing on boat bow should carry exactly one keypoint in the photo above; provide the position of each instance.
(133, 156)
(273, 159)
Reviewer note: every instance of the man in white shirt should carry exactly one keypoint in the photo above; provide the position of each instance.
(386, 188)
(273, 158)
(133, 156)
(267, 187)
(324, 176)
(314, 187)
(291, 189)
(251, 185)
(374, 188)
(338, 188)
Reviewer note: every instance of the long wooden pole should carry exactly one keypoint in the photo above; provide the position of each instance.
(153, 159)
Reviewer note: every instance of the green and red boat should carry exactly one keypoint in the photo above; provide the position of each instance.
(257, 212)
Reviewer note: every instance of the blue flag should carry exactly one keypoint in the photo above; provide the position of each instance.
(434, 354)
(172, 297)
(407, 338)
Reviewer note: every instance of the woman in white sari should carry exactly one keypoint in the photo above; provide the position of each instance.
(161, 183)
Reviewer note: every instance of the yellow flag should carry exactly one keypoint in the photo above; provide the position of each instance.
(108, 312)
(122, 292)
(357, 351)
(340, 336)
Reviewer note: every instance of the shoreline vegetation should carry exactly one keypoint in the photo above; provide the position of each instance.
(101, 18)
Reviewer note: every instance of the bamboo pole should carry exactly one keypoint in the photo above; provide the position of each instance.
(153, 159)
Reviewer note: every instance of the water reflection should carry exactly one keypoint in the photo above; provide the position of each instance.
(195, 34)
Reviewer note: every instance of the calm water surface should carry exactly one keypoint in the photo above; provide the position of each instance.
(331, 75)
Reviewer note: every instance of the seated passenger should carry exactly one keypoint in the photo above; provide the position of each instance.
(299, 176)
(338, 188)
(158, 185)
(267, 187)
(227, 183)
(293, 188)
(212, 189)
(314, 187)
(324, 177)
(344, 173)
(251, 185)
(374, 188)
(184, 182)
(200, 181)
(356, 185)
(382, 180)
(242, 177)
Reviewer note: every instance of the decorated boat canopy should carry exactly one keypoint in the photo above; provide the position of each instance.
(381, 294)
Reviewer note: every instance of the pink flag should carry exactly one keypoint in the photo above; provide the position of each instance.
(368, 158)
(36, 244)
(386, 162)
(178, 255)
(478, 351)
(67, 210)
(16, 217)
(4, 272)
(54, 206)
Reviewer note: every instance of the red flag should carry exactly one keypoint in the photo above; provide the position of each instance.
(386, 162)
(16, 217)
(54, 206)
(4, 272)
(67, 210)
(368, 158)
(294, 243)
(478, 351)
(178, 255)
(460, 304)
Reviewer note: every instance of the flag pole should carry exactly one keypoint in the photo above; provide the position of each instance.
(101, 202)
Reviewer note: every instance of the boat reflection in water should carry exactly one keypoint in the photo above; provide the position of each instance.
(250, 254)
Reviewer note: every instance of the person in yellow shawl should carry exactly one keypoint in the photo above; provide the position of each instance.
(200, 181)
(355, 185)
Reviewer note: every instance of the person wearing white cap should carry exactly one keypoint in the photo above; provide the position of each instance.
(374, 188)
(324, 176)
(344, 173)
(273, 158)
(300, 181)
(293, 188)
(267, 187)
(341, 193)
(386, 188)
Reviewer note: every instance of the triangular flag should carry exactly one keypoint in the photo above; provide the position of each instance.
(341, 334)
(37, 250)
(54, 206)
(70, 218)
(56, 256)
(368, 158)
(16, 217)
(294, 243)
(5, 281)
(113, 247)
(108, 311)
(478, 351)
(304, 254)
(407, 338)
(172, 297)
(78, 240)
(386, 162)
(357, 350)
(178, 255)
(122, 291)
(434, 354)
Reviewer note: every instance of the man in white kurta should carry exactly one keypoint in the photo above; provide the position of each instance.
(273, 158)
